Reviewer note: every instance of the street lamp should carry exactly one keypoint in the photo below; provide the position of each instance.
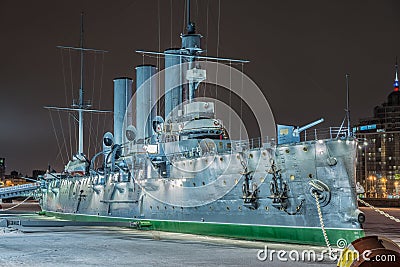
(383, 187)
(370, 178)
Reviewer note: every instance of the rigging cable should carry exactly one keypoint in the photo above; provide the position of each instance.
(241, 106)
(184, 17)
(208, 6)
(66, 99)
(230, 97)
(101, 89)
(91, 113)
(55, 133)
(63, 135)
(197, 11)
(158, 56)
(218, 26)
(171, 23)
(72, 94)
(13, 207)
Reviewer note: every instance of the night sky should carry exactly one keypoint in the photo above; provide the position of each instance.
(300, 52)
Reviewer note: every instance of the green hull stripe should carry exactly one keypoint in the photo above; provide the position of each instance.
(286, 234)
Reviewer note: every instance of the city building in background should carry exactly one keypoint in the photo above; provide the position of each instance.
(2, 168)
(37, 173)
(378, 161)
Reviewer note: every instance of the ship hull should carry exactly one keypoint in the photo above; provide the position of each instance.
(271, 233)
(183, 207)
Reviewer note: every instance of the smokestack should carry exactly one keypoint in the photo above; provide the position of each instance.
(122, 97)
(146, 96)
(173, 93)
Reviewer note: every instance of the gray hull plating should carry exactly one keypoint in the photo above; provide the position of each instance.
(217, 194)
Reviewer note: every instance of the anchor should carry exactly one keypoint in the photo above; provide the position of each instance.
(250, 197)
(279, 189)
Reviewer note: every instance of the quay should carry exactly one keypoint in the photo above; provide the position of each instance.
(119, 246)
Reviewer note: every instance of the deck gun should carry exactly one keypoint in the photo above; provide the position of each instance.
(291, 134)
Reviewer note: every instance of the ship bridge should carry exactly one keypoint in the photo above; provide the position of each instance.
(18, 190)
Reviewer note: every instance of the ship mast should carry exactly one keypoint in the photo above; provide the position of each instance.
(190, 27)
(81, 95)
(81, 105)
(348, 104)
(189, 53)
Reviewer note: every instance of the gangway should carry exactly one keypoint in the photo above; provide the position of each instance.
(18, 190)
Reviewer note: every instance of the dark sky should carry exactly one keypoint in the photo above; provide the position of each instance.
(299, 53)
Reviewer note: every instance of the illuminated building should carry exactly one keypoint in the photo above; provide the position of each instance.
(378, 165)
(2, 168)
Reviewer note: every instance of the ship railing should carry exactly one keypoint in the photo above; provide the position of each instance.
(324, 133)
(253, 143)
(266, 142)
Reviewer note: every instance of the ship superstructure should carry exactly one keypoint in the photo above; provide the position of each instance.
(179, 168)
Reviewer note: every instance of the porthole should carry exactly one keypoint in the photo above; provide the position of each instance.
(203, 183)
(305, 149)
(227, 208)
(291, 177)
(266, 208)
(287, 150)
(310, 176)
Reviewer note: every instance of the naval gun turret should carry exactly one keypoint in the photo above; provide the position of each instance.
(291, 134)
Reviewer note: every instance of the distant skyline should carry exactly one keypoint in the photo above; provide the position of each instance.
(300, 52)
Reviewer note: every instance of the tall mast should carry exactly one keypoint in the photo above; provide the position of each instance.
(187, 13)
(81, 95)
(189, 25)
(396, 80)
(80, 106)
(348, 104)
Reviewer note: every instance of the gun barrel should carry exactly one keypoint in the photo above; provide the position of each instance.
(305, 127)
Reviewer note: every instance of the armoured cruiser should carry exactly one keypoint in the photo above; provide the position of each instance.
(184, 172)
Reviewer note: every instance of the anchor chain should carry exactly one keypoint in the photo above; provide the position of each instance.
(22, 202)
(298, 208)
(321, 221)
(378, 210)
